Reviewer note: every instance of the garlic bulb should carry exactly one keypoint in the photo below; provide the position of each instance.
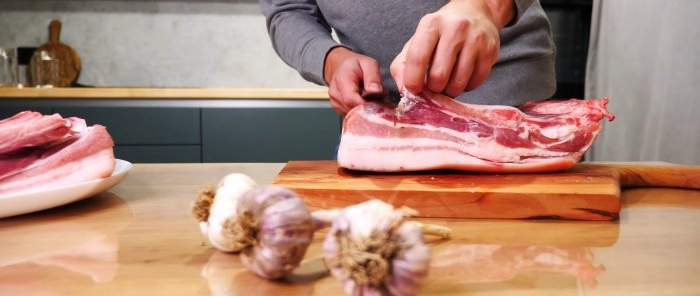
(274, 229)
(373, 251)
(215, 206)
(270, 226)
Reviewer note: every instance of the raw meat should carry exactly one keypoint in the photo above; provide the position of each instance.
(23, 136)
(29, 128)
(432, 131)
(50, 159)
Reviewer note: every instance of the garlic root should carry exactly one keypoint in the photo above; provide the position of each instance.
(201, 207)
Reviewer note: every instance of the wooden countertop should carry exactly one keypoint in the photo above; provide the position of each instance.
(164, 93)
(139, 239)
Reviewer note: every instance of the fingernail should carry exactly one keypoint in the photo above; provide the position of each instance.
(374, 87)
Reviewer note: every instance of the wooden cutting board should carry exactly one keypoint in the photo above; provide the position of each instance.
(69, 61)
(585, 192)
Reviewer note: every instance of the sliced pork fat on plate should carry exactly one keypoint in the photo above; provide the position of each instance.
(53, 157)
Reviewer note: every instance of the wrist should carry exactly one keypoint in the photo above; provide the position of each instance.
(334, 57)
(502, 12)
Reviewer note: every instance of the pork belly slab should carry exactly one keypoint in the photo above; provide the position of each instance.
(30, 129)
(431, 131)
(47, 151)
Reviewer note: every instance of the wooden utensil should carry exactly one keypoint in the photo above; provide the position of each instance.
(69, 61)
(587, 191)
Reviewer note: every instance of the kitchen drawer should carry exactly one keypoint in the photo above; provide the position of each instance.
(143, 126)
(159, 153)
(269, 134)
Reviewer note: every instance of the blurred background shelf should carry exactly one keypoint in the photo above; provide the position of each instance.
(161, 93)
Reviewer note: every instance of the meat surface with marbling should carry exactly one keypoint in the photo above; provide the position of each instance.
(431, 131)
(41, 152)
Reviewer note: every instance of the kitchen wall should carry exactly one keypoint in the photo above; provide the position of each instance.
(644, 57)
(156, 43)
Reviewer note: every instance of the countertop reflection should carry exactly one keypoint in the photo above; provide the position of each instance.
(41, 251)
(139, 238)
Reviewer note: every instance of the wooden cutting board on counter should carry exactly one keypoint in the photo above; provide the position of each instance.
(587, 191)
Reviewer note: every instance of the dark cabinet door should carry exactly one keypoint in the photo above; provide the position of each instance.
(269, 134)
(147, 134)
(9, 111)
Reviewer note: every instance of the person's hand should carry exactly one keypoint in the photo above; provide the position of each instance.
(454, 48)
(352, 79)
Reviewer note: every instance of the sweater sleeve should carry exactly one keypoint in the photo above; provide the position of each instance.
(300, 35)
(521, 7)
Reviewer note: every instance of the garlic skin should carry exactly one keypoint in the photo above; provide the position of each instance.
(373, 251)
(324, 218)
(276, 228)
(223, 207)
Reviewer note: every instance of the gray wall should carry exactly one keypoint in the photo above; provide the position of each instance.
(644, 57)
(156, 43)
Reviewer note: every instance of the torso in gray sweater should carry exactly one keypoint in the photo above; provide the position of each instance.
(301, 35)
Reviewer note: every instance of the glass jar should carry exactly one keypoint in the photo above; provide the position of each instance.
(45, 70)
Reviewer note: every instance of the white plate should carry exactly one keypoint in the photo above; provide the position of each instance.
(12, 205)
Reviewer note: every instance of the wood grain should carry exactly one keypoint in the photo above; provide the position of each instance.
(655, 175)
(165, 93)
(581, 193)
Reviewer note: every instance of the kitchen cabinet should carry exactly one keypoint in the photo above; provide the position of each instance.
(159, 153)
(147, 134)
(269, 134)
(7, 111)
(196, 125)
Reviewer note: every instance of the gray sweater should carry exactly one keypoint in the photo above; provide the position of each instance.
(300, 31)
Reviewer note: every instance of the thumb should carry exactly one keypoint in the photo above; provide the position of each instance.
(371, 78)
